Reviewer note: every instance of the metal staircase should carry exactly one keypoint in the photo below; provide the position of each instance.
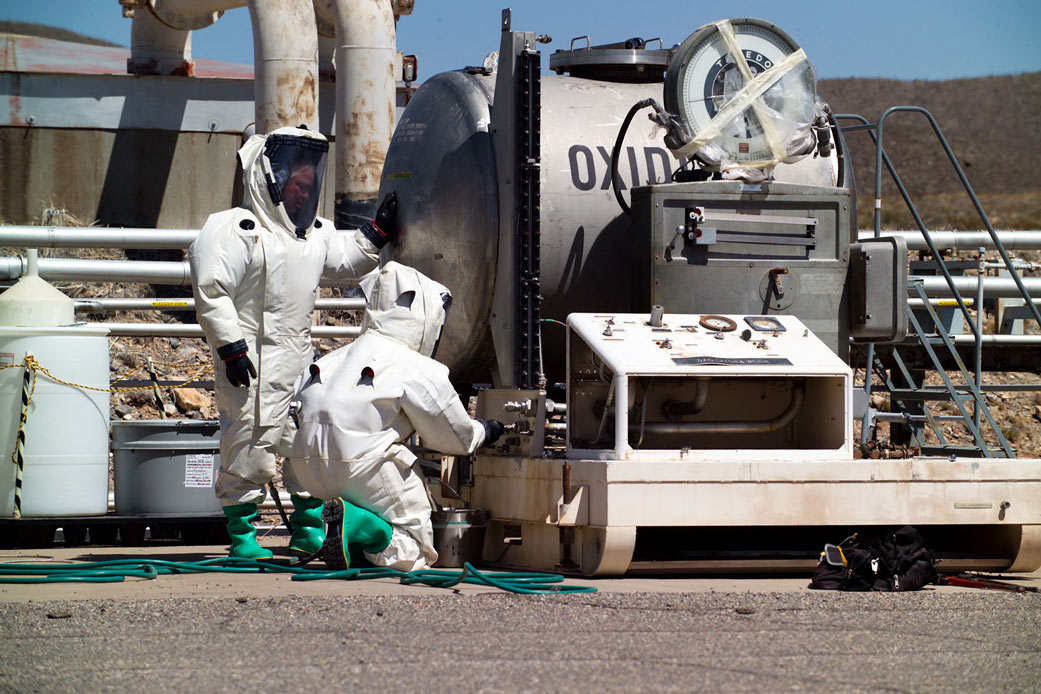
(910, 397)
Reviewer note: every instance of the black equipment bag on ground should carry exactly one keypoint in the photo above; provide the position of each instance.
(899, 562)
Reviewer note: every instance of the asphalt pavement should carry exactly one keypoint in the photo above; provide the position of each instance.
(244, 632)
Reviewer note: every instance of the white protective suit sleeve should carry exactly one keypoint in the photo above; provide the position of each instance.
(351, 255)
(434, 408)
(219, 258)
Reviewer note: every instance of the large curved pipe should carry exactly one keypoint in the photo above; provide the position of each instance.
(366, 44)
(285, 63)
(158, 49)
(160, 38)
(189, 15)
(731, 427)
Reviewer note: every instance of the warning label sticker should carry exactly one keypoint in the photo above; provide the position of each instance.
(6, 358)
(731, 361)
(198, 470)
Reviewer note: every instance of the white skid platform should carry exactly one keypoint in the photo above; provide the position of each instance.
(998, 500)
(707, 443)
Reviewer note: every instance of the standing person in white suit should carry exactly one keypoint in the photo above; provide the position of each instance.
(359, 403)
(255, 274)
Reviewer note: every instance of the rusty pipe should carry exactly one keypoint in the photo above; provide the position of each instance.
(156, 48)
(366, 44)
(285, 64)
(187, 15)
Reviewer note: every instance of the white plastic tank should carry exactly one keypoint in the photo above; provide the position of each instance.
(66, 429)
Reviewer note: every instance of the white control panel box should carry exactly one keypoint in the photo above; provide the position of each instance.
(703, 386)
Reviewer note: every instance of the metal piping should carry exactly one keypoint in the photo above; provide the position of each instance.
(156, 48)
(366, 45)
(1000, 287)
(183, 15)
(1011, 240)
(160, 37)
(141, 271)
(671, 409)
(734, 427)
(194, 330)
(188, 304)
(285, 63)
(76, 270)
(94, 237)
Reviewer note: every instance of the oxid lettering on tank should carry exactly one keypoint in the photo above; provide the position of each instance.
(587, 169)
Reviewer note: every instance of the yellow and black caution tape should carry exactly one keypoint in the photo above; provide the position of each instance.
(35, 366)
(18, 456)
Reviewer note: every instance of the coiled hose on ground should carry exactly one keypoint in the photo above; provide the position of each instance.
(116, 570)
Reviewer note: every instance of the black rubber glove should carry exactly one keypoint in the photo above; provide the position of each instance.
(493, 429)
(387, 215)
(385, 227)
(239, 370)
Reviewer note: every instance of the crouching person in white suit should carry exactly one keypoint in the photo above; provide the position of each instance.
(357, 405)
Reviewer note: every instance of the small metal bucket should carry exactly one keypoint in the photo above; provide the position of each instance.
(459, 535)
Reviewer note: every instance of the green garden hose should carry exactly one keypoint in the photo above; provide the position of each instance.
(118, 569)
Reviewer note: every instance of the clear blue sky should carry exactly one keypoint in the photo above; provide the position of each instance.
(900, 39)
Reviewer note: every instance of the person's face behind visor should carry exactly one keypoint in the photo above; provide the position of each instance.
(298, 167)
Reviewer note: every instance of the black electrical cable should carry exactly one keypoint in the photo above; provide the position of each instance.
(617, 148)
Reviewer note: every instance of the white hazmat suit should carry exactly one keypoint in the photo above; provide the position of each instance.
(255, 274)
(359, 403)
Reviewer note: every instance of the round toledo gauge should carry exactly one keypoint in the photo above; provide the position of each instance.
(702, 77)
(720, 323)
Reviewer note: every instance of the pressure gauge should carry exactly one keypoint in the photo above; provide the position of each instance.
(719, 323)
(765, 324)
(703, 78)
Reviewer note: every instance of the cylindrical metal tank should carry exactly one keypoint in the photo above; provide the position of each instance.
(441, 162)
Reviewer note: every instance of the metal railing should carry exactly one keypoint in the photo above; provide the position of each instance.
(914, 390)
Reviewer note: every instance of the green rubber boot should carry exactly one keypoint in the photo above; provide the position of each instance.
(307, 524)
(242, 533)
(349, 524)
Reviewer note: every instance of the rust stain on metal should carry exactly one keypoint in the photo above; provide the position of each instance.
(305, 99)
(9, 60)
(14, 100)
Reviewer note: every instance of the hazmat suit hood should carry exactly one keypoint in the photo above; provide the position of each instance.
(282, 175)
(406, 305)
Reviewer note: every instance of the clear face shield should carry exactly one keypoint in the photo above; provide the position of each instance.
(295, 169)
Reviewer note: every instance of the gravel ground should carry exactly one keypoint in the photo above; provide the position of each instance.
(752, 642)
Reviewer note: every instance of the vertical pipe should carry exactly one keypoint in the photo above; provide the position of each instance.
(157, 48)
(326, 58)
(32, 262)
(621, 416)
(285, 63)
(365, 99)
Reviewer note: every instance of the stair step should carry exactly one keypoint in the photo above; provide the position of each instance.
(922, 395)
